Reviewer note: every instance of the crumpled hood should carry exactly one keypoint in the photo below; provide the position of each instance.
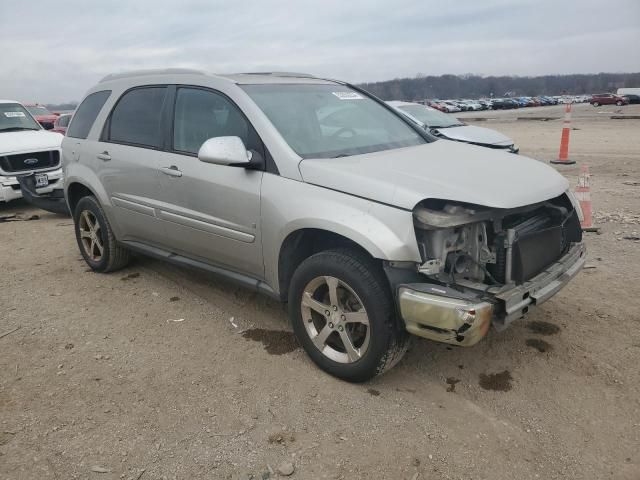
(25, 141)
(440, 170)
(473, 134)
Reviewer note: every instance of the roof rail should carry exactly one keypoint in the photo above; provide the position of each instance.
(157, 71)
(281, 74)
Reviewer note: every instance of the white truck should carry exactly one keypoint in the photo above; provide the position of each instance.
(27, 151)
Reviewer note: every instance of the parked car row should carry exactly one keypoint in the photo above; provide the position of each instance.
(465, 105)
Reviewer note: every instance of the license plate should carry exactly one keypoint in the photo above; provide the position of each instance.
(42, 180)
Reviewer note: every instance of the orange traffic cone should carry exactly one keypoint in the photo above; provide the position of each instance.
(563, 156)
(583, 194)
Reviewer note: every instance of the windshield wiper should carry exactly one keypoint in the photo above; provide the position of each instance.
(14, 129)
(341, 155)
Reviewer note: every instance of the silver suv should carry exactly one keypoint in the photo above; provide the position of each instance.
(320, 195)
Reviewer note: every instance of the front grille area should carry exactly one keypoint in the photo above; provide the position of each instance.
(540, 240)
(23, 162)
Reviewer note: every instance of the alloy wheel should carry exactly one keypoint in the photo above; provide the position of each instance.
(91, 235)
(335, 319)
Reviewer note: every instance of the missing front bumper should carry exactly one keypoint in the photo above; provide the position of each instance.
(447, 315)
(515, 301)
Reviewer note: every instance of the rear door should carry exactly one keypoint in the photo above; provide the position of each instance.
(210, 212)
(127, 158)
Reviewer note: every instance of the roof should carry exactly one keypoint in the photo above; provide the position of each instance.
(9, 101)
(239, 78)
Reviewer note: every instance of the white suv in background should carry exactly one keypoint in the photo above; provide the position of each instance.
(26, 149)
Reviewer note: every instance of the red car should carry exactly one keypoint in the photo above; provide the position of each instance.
(438, 106)
(608, 99)
(43, 116)
(61, 123)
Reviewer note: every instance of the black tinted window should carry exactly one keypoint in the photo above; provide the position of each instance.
(136, 117)
(201, 115)
(86, 114)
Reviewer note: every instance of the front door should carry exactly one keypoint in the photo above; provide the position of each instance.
(210, 212)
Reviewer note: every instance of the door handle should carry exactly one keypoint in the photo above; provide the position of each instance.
(104, 156)
(172, 171)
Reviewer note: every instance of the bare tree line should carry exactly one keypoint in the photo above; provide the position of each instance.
(476, 86)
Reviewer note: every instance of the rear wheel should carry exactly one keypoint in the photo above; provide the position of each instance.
(596, 104)
(343, 314)
(95, 238)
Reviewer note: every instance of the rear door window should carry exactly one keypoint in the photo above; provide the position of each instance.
(136, 118)
(86, 114)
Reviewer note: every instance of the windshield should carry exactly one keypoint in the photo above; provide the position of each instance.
(328, 121)
(430, 117)
(14, 117)
(38, 111)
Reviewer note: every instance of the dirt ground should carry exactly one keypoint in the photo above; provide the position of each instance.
(157, 372)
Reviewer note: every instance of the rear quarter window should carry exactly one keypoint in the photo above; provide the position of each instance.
(86, 114)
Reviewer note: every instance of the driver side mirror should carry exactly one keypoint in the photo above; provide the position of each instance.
(225, 151)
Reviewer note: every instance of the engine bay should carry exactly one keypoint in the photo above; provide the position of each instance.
(479, 247)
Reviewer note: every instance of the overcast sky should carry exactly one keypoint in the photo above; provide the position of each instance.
(53, 51)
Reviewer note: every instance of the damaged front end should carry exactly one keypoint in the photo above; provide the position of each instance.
(484, 265)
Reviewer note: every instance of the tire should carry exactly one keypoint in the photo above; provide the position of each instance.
(362, 292)
(596, 104)
(619, 103)
(112, 257)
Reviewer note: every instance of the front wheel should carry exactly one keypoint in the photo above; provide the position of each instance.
(343, 314)
(619, 103)
(596, 104)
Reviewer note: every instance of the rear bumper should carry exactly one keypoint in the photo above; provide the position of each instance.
(446, 315)
(10, 186)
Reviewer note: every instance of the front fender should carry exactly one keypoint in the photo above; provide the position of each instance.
(385, 232)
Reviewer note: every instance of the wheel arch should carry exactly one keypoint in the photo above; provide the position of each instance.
(80, 180)
(74, 192)
(301, 243)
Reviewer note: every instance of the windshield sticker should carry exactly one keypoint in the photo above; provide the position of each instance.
(13, 114)
(348, 95)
